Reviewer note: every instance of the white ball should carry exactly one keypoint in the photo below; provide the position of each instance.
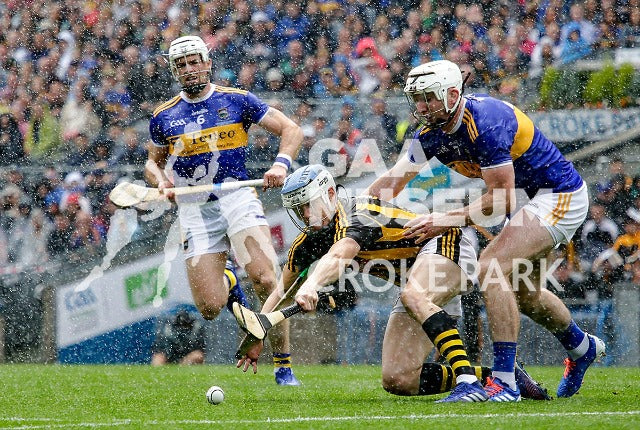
(215, 395)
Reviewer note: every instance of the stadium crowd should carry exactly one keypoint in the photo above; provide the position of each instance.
(79, 80)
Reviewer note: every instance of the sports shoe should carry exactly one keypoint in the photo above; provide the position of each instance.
(285, 376)
(498, 391)
(574, 371)
(236, 293)
(529, 388)
(466, 392)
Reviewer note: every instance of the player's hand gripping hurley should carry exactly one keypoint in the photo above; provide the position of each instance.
(126, 194)
(258, 324)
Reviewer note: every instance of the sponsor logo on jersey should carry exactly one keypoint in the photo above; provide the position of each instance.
(200, 112)
(211, 139)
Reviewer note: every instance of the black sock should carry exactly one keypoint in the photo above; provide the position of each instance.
(442, 331)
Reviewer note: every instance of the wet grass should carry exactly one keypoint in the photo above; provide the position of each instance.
(332, 397)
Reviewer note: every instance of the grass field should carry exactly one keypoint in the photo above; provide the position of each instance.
(132, 397)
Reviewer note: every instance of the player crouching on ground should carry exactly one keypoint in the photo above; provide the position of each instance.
(336, 231)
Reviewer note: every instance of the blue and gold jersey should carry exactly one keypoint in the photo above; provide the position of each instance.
(494, 133)
(207, 138)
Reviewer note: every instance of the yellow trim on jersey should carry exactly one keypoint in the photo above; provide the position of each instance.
(390, 212)
(424, 130)
(166, 105)
(219, 138)
(391, 234)
(448, 243)
(524, 136)
(230, 90)
(292, 250)
(390, 254)
(467, 118)
(558, 212)
(342, 224)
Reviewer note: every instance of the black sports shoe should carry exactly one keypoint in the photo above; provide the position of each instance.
(529, 388)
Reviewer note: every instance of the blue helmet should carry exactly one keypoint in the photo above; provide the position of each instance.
(304, 185)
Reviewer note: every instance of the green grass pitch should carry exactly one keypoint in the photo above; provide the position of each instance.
(332, 397)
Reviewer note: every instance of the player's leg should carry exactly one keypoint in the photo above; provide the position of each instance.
(251, 242)
(205, 250)
(206, 279)
(523, 237)
(434, 280)
(560, 214)
(404, 349)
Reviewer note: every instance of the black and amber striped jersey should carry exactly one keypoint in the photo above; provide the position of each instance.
(377, 226)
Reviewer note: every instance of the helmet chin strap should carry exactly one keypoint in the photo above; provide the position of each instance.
(194, 89)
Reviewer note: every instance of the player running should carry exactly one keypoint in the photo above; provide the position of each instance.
(368, 231)
(199, 137)
(482, 137)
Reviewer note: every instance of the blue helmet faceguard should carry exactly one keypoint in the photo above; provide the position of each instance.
(303, 186)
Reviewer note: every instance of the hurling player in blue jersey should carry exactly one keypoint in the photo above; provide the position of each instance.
(482, 137)
(200, 137)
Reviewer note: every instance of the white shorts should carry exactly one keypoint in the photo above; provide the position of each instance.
(458, 247)
(561, 213)
(206, 227)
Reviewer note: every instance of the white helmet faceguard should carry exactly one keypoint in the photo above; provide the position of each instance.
(305, 186)
(182, 47)
(434, 77)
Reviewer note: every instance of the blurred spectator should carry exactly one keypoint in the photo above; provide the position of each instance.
(630, 30)
(78, 115)
(36, 235)
(147, 84)
(607, 271)
(574, 46)
(11, 141)
(587, 30)
(598, 233)
(292, 26)
(79, 152)
(44, 135)
(59, 240)
(546, 52)
(179, 340)
(261, 149)
(129, 151)
(275, 80)
(86, 239)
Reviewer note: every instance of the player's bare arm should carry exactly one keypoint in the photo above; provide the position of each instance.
(328, 270)
(291, 136)
(287, 279)
(391, 183)
(154, 170)
(498, 200)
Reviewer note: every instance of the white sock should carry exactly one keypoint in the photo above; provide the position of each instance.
(580, 350)
(469, 379)
(508, 378)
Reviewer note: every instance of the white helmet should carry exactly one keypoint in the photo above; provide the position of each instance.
(183, 47)
(305, 185)
(434, 77)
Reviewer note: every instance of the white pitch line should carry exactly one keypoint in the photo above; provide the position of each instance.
(48, 426)
(395, 417)
(120, 423)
